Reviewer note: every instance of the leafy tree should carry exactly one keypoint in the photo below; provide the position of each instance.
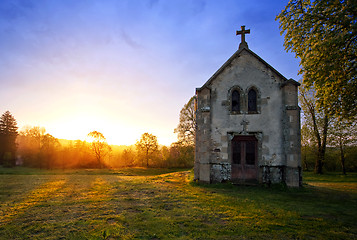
(99, 146)
(49, 147)
(317, 123)
(323, 34)
(36, 147)
(128, 157)
(147, 146)
(82, 153)
(8, 134)
(343, 134)
(165, 156)
(181, 155)
(186, 128)
(75, 154)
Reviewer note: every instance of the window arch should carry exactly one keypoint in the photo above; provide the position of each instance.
(252, 101)
(235, 101)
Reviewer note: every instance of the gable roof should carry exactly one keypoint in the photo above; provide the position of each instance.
(235, 55)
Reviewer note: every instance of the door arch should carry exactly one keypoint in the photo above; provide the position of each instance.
(244, 158)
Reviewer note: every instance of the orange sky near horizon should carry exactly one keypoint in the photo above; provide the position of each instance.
(125, 67)
(74, 121)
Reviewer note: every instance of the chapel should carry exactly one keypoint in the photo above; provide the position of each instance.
(248, 123)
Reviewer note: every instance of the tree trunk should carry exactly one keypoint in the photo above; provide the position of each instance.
(321, 145)
(342, 157)
(305, 159)
(99, 162)
(319, 160)
(147, 158)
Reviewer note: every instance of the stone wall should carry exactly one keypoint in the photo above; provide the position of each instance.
(276, 124)
(292, 133)
(203, 136)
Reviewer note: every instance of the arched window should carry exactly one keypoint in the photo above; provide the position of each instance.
(252, 101)
(235, 101)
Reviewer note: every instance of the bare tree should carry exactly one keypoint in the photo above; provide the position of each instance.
(316, 119)
(186, 129)
(99, 146)
(343, 133)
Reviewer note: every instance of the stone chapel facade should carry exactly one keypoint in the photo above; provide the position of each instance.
(248, 123)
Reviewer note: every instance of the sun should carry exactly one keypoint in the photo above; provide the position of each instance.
(119, 128)
(78, 126)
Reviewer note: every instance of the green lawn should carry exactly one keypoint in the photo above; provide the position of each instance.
(165, 204)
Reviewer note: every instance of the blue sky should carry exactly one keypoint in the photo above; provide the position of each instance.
(123, 67)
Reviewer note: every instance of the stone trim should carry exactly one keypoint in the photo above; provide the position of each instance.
(279, 174)
(237, 55)
(242, 98)
(243, 101)
(291, 107)
(259, 101)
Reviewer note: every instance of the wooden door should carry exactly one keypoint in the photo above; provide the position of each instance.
(244, 158)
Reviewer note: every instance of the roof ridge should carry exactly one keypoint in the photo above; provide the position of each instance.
(241, 49)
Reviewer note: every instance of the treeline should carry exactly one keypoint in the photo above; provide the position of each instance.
(36, 148)
(329, 142)
(332, 159)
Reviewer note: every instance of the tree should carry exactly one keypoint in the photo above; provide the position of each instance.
(8, 135)
(323, 34)
(99, 146)
(308, 148)
(128, 157)
(147, 146)
(343, 133)
(49, 146)
(317, 121)
(81, 152)
(181, 155)
(38, 148)
(186, 129)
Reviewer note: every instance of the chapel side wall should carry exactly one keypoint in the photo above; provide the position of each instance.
(267, 124)
(292, 136)
(202, 166)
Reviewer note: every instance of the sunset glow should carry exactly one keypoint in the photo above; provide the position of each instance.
(122, 67)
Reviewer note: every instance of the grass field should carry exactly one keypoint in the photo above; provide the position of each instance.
(166, 204)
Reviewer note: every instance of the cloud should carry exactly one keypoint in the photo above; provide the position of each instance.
(130, 41)
(127, 52)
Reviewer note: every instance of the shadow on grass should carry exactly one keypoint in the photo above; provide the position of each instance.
(350, 177)
(98, 204)
(136, 171)
(319, 202)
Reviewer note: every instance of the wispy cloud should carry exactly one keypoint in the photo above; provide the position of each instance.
(130, 41)
(132, 59)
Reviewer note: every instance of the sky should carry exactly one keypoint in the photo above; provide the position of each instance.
(123, 67)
